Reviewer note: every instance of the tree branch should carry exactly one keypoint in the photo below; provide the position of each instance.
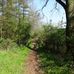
(45, 4)
(62, 4)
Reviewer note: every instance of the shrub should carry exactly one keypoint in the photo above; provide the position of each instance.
(6, 44)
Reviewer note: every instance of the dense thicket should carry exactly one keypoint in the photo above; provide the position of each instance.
(14, 22)
(50, 39)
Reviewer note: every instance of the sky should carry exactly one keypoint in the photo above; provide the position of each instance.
(49, 12)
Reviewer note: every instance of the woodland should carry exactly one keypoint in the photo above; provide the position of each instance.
(23, 38)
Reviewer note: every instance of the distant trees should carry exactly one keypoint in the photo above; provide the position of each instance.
(14, 23)
(17, 20)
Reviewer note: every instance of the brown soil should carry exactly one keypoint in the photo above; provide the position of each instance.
(32, 64)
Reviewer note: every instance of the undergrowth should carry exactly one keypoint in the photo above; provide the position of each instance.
(54, 64)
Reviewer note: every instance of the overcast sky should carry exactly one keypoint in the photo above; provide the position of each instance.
(50, 13)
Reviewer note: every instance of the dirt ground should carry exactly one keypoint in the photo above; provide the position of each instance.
(32, 64)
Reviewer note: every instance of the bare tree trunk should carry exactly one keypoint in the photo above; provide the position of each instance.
(70, 27)
(67, 28)
(69, 9)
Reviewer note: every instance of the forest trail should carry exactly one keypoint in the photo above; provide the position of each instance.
(32, 64)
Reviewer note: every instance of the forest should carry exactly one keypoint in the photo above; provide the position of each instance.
(30, 46)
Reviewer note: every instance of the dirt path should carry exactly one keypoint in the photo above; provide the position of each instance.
(32, 65)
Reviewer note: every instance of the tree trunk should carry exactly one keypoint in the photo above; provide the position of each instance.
(69, 9)
(70, 27)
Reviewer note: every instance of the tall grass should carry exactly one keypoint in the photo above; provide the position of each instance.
(12, 61)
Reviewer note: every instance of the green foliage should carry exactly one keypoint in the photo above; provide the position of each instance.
(51, 39)
(15, 23)
(23, 31)
(6, 44)
(53, 64)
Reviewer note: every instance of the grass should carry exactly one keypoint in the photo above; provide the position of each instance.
(12, 61)
(52, 64)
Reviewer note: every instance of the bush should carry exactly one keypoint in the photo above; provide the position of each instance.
(6, 44)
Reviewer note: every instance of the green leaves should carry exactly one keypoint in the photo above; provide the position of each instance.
(14, 22)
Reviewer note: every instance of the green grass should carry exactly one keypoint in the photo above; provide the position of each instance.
(52, 64)
(12, 61)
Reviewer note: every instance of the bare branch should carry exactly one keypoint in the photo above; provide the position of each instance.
(62, 4)
(45, 4)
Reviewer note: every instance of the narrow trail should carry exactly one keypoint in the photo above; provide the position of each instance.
(32, 64)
